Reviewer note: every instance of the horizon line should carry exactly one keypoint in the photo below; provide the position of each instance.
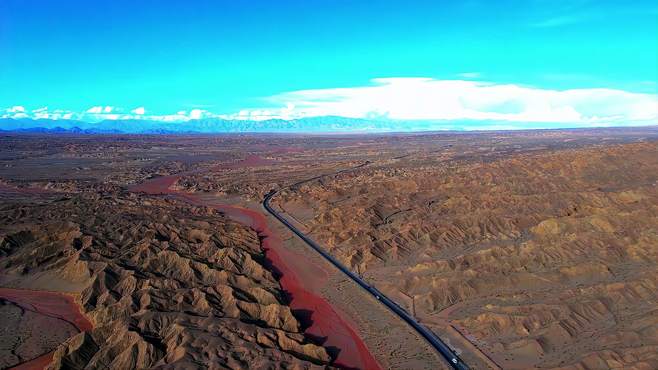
(335, 124)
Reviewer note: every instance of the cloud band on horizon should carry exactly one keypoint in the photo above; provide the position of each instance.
(413, 98)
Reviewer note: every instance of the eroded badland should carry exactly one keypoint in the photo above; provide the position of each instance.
(526, 249)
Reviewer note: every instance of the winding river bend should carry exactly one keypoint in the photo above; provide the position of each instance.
(49, 307)
(299, 278)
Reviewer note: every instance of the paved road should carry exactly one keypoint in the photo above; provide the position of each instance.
(445, 351)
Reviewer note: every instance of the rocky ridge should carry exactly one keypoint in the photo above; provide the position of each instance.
(545, 259)
(164, 284)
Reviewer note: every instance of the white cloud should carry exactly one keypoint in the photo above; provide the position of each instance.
(40, 113)
(95, 110)
(44, 113)
(139, 111)
(430, 99)
(15, 112)
(99, 112)
(196, 113)
(416, 98)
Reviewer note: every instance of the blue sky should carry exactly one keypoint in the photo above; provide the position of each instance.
(288, 56)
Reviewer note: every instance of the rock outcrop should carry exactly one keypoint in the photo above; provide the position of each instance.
(164, 284)
(546, 259)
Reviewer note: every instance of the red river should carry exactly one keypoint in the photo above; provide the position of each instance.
(52, 304)
(300, 278)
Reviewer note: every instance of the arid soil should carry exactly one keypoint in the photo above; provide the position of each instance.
(26, 315)
(519, 249)
(296, 275)
(545, 259)
(164, 284)
(241, 305)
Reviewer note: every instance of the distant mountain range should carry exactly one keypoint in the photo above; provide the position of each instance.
(329, 124)
(215, 125)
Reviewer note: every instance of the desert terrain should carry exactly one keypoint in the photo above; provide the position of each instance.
(544, 259)
(520, 249)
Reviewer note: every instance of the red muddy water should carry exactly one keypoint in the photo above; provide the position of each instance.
(299, 277)
(38, 363)
(52, 304)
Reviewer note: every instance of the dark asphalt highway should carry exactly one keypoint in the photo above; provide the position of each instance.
(445, 351)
